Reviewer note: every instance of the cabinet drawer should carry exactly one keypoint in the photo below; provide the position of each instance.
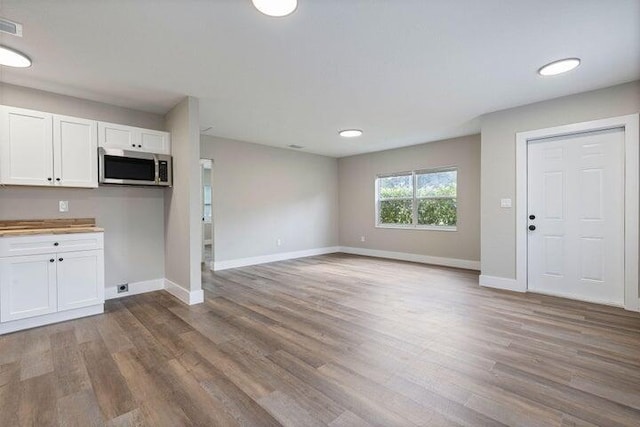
(48, 243)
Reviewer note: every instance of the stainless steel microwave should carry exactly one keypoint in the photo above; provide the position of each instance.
(134, 168)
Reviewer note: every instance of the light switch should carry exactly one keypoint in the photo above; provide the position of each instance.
(64, 206)
(505, 203)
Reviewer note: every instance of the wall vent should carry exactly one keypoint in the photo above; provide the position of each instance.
(10, 27)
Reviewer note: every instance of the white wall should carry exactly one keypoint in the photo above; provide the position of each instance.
(262, 194)
(183, 238)
(499, 160)
(357, 176)
(133, 218)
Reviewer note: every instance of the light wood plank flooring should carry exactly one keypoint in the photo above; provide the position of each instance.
(332, 340)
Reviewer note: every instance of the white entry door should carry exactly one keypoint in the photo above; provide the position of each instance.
(576, 216)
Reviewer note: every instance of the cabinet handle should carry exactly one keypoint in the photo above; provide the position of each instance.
(49, 179)
(139, 146)
(56, 244)
(51, 260)
(133, 145)
(58, 179)
(60, 259)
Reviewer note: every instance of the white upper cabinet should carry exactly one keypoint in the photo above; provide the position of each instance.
(155, 141)
(132, 138)
(75, 144)
(117, 136)
(46, 149)
(26, 149)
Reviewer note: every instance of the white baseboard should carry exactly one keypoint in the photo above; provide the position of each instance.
(501, 283)
(135, 288)
(187, 297)
(244, 262)
(32, 322)
(403, 256)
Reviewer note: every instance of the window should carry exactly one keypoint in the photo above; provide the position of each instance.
(207, 203)
(418, 199)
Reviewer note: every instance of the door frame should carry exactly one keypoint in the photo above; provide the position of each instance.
(630, 123)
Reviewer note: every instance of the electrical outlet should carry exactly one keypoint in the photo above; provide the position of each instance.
(64, 206)
(279, 242)
(362, 239)
(123, 288)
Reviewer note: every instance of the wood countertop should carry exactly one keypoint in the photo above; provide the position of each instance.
(48, 226)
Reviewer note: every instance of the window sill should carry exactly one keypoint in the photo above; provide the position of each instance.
(418, 227)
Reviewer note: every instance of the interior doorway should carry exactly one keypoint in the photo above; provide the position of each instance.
(206, 178)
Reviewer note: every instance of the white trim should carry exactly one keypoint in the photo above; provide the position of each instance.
(501, 283)
(448, 228)
(573, 297)
(208, 242)
(263, 259)
(632, 183)
(187, 297)
(48, 319)
(404, 256)
(135, 288)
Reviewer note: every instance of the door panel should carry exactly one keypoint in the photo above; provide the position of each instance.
(576, 192)
(75, 144)
(80, 279)
(27, 286)
(26, 147)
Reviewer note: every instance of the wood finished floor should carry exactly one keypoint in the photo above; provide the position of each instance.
(332, 340)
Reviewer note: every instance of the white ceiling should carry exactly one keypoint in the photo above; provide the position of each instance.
(404, 71)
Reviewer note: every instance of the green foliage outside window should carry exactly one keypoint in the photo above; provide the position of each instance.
(435, 197)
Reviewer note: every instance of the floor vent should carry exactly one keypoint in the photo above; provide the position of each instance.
(10, 27)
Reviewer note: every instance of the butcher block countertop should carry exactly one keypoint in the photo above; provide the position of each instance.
(33, 227)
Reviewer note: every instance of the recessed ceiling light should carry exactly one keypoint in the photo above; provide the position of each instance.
(350, 133)
(13, 58)
(559, 67)
(276, 7)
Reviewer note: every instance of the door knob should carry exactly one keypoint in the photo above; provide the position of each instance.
(532, 227)
(532, 217)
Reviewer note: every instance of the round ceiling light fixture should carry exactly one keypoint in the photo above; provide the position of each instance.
(276, 8)
(13, 58)
(558, 67)
(350, 133)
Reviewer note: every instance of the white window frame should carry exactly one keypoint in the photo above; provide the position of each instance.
(414, 199)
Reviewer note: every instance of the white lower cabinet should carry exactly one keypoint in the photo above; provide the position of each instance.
(41, 288)
(27, 286)
(80, 279)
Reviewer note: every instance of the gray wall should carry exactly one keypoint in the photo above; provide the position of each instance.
(183, 248)
(262, 194)
(133, 218)
(499, 160)
(357, 176)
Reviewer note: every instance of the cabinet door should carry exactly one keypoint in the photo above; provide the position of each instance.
(118, 136)
(75, 145)
(26, 147)
(27, 286)
(154, 141)
(80, 279)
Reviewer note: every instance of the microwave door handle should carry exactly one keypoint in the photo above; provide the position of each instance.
(157, 167)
